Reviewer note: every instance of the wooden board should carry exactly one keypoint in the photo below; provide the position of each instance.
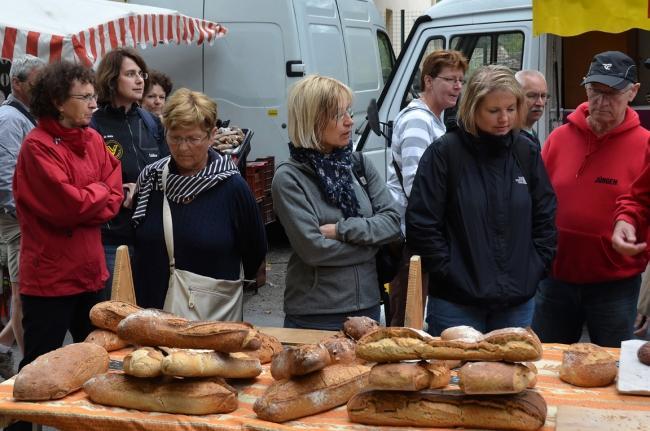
(633, 376)
(296, 336)
(571, 418)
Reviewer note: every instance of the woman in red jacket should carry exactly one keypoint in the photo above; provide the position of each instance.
(66, 186)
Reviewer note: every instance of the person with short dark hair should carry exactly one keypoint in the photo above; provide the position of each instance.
(65, 187)
(591, 160)
(216, 223)
(132, 134)
(160, 87)
(481, 212)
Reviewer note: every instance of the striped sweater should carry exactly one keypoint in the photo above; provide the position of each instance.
(414, 129)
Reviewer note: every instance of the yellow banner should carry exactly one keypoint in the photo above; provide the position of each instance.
(572, 17)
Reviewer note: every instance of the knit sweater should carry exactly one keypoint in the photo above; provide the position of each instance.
(213, 234)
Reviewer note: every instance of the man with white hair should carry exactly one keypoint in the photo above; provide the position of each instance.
(536, 92)
(592, 160)
(15, 122)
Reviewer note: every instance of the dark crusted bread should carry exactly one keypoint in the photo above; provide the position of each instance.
(522, 412)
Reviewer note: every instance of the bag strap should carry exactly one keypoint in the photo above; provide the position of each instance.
(149, 122)
(359, 171)
(20, 108)
(168, 228)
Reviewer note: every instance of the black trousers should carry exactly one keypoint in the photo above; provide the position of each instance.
(45, 323)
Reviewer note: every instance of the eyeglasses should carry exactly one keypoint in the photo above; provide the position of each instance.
(131, 74)
(85, 97)
(535, 96)
(189, 140)
(341, 115)
(451, 81)
(597, 93)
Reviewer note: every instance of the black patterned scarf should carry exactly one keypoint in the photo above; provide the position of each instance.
(334, 172)
(181, 188)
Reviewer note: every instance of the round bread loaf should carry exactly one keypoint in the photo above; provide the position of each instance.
(461, 332)
(588, 365)
(644, 353)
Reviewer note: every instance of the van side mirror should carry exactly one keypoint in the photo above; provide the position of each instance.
(373, 117)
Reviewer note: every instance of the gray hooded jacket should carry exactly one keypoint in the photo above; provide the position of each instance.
(324, 275)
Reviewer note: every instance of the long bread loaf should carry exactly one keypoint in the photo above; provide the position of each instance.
(396, 344)
(409, 376)
(195, 363)
(156, 328)
(62, 371)
(525, 411)
(486, 378)
(314, 393)
(108, 314)
(181, 396)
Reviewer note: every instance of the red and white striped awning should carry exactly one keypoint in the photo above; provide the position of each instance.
(84, 30)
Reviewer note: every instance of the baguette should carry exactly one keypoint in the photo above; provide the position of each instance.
(202, 363)
(413, 376)
(299, 360)
(180, 396)
(311, 394)
(157, 328)
(525, 411)
(107, 339)
(108, 314)
(143, 362)
(487, 378)
(55, 374)
(396, 344)
(588, 365)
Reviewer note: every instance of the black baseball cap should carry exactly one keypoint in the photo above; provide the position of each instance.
(612, 68)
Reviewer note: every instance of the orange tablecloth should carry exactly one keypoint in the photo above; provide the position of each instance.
(76, 412)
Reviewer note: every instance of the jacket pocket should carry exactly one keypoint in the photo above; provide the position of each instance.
(583, 257)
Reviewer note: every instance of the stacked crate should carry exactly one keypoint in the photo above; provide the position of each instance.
(259, 175)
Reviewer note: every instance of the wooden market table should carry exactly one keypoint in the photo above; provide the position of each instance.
(76, 412)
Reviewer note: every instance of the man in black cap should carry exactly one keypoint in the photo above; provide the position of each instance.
(592, 160)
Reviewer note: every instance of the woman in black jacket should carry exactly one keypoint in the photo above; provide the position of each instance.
(481, 212)
(132, 134)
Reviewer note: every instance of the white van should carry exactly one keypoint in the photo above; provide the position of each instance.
(270, 45)
(500, 31)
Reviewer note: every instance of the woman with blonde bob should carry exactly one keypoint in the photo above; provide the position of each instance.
(334, 224)
(481, 212)
(216, 222)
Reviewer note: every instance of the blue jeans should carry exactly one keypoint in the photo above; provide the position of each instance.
(607, 308)
(109, 253)
(328, 322)
(443, 314)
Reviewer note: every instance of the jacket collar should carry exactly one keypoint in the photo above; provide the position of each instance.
(75, 138)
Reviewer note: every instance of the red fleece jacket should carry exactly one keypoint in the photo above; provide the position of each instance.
(588, 173)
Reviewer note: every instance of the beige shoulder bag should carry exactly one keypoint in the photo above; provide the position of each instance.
(195, 296)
